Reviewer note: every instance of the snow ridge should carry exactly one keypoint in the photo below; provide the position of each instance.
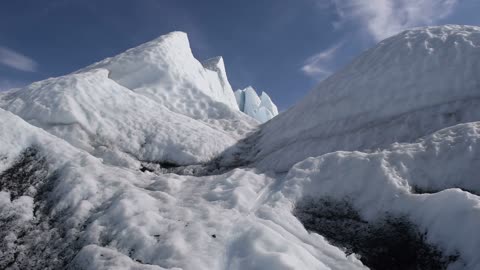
(406, 87)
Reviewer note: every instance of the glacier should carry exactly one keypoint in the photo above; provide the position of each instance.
(376, 168)
(260, 107)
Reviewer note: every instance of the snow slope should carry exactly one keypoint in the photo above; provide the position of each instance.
(153, 103)
(166, 71)
(96, 114)
(261, 108)
(62, 208)
(406, 87)
(424, 181)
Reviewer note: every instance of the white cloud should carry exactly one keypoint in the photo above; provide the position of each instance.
(384, 18)
(16, 60)
(319, 65)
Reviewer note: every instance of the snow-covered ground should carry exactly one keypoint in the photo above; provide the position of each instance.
(80, 213)
(386, 150)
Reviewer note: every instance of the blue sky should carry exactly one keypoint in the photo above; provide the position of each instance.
(283, 47)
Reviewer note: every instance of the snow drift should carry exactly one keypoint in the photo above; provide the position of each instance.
(406, 87)
(166, 71)
(153, 103)
(62, 208)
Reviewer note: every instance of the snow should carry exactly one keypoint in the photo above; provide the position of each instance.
(217, 65)
(152, 103)
(396, 133)
(96, 114)
(166, 71)
(385, 182)
(260, 108)
(113, 217)
(406, 87)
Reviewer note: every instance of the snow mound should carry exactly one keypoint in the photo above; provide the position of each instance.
(406, 87)
(94, 113)
(166, 71)
(153, 103)
(429, 182)
(260, 108)
(79, 213)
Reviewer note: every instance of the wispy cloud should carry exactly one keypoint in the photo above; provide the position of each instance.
(17, 60)
(319, 65)
(384, 18)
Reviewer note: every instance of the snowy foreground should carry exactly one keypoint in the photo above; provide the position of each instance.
(146, 161)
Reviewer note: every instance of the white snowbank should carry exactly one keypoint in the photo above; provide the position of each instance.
(96, 114)
(406, 87)
(116, 218)
(260, 108)
(383, 182)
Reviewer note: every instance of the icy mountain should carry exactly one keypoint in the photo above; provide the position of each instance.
(165, 71)
(259, 107)
(144, 161)
(153, 103)
(406, 87)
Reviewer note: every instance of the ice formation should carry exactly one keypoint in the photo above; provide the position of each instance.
(261, 108)
(389, 145)
(406, 87)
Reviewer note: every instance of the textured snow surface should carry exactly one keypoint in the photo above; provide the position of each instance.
(260, 107)
(89, 215)
(96, 114)
(395, 134)
(166, 71)
(406, 87)
(424, 181)
(153, 103)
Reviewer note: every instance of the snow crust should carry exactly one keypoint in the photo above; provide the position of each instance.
(217, 64)
(96, 114)
(443, 164)
(406, 87)
(260, 107)
(117, 218)
(166, 71)
(152, 103)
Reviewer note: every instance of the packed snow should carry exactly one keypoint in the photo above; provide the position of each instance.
(406, 87)
(98, 167)
(94, 113)
(165, 71)
(145, 104)
(86, 215)
(259, 107)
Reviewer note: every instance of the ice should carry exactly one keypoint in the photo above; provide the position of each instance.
(217, 64)
(112, 217)
(96, 114)
(166, 71)
(406, 87)
(152, 103)
(260, 108)
(423, 181)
